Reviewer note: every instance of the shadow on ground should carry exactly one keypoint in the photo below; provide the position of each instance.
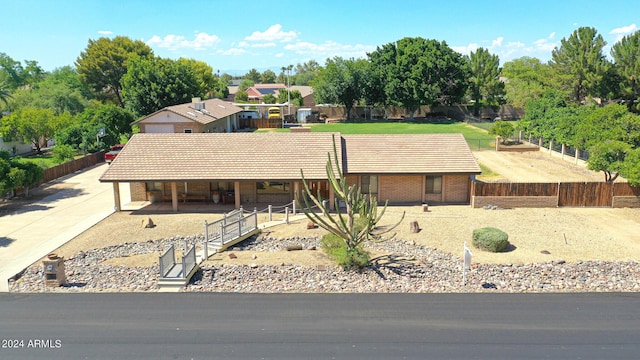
(5, 241)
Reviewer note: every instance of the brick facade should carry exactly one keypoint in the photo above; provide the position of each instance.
(400, 189)
(456, 189)
(138, 191)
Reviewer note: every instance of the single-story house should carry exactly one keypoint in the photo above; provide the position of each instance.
(258, 91)
(265, 168)
(198, 116)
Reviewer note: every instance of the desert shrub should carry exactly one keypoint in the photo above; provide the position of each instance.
(490, 239)
(337, 249)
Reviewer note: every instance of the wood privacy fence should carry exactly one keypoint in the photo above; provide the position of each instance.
(72, 166)
(576, 194)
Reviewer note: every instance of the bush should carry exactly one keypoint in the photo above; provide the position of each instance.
(63, 153)
(490, 239)
(336, 248)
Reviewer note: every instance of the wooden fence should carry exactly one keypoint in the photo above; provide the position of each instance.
(260, 123)
(573, 194)
(72, 166)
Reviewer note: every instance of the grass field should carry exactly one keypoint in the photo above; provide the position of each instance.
(476, 138)
(44, 161)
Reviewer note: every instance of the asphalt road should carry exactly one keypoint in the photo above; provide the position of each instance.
(320, 326)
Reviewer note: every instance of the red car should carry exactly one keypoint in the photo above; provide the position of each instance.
(111, 155)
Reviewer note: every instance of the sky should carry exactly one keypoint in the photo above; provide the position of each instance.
(234, 37)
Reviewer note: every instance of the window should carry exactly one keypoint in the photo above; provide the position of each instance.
(273, 187)
(188, 131)
(154, 186)
(434, 185)
(369, 184)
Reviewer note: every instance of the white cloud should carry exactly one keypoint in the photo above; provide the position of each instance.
(330, 49)
(497, 42)
(279, 55)
(263, 45)
(624, 30)
(466, 50)
(232, 52)
(172, 42)
(105, 32)
(273, 33)
(544, 45)
(552, 35)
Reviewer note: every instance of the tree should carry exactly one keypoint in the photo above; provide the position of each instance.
(608, 157)
(503, 129)
(268, 77)
(340, 82)
(207, 82)
(5, 95)
(580, 58)
(31, 125)
(253, 75)
(294, 96)
(26, 175)
(15, 76)
(105, 61)
(485, 85)
(305, 73)
(359, 221)
(245, 84)
(631, 167)
(242, 96)
(151, 84)
(626, 56)
(420, 72)
(526, 78)
(63, 153)
(269, 99)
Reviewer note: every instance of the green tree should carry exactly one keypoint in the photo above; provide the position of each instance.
(581, 60)
(485, 85)
(254, 76)
(241, 96)
(631, 167)
(5, 94)
(151, 84)
(305, 73)
(31, 125)
(207, 82)
(527, 79)
(608, 157)
(63, 153)
(359, 222)
(503, 129)
(10, 72)
(420, 72)
(27, 175)
(294, 96)
(340, 82)
(626, 56)
(105, 61)
(245, 84)
(269, 99)
(268, 77)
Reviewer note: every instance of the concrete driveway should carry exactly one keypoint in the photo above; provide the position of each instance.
(38, 228)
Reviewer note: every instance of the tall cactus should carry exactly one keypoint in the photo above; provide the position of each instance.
(358, 204)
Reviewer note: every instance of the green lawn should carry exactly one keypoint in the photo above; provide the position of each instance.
(44, 161)
(487, 125)
(476, 138)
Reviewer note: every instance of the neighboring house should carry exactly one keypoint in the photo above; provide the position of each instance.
(264, 168)
(198, 116)
(258, 91)
(307, 95)
(15, 147)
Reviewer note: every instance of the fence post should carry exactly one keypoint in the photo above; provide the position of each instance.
(286, 215)
(205, 250)
(577, 156)
(239, 228)
(324, 205)
(206, 231)
(222, 233)
(270, 216)
(294, 207)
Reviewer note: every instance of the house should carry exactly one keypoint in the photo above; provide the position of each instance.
(258, 91)
(265, 168)
(307, 95)
(198, 116)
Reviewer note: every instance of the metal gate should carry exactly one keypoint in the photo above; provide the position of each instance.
(585, 194)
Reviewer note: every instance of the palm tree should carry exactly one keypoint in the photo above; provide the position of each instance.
(5, 95)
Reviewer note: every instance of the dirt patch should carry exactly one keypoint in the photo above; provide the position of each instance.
(533, 167)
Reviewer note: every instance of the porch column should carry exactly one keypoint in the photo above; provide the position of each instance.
(296, 190)
(235, 121)
(331, 198)
(174, 196)
(228, 124)
(116, 195)
(236, 192)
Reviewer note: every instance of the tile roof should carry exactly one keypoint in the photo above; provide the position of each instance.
(214, 109)
(222, 156)
(408, 154)
(280, 156)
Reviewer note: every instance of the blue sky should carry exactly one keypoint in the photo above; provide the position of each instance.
(234, 36)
